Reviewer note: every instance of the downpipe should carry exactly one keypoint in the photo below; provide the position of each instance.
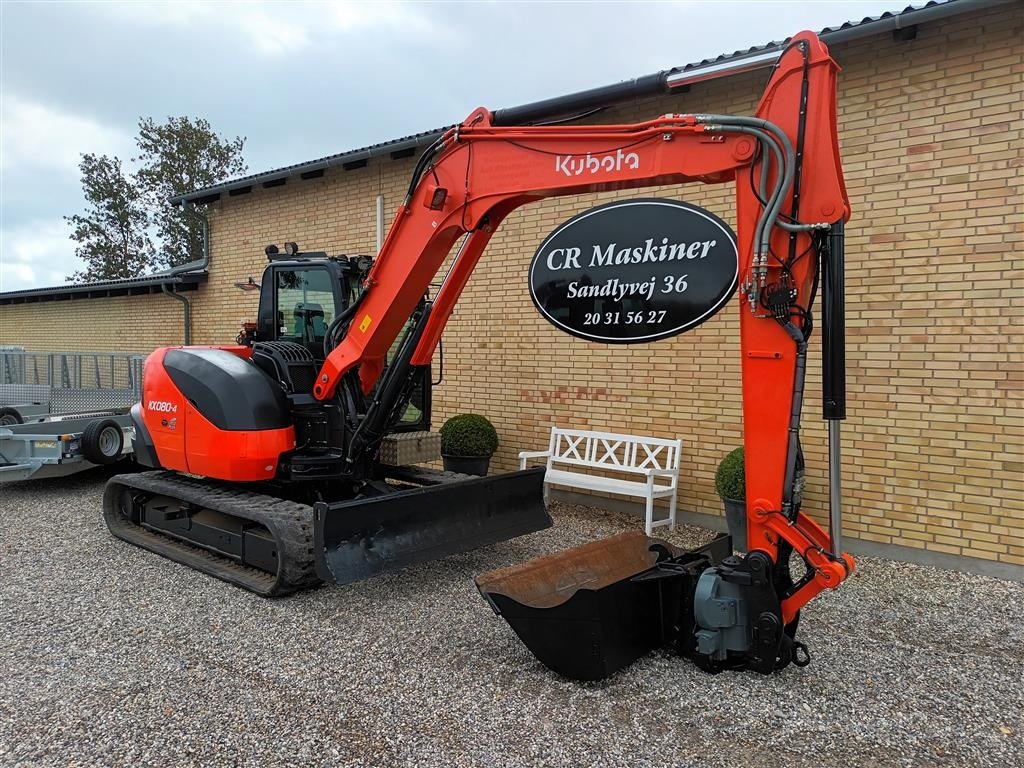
(186, 307)
(203, 263)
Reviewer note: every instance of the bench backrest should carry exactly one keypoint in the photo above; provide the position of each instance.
(608, 450)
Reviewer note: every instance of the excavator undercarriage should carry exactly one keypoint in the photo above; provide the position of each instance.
(258, 542)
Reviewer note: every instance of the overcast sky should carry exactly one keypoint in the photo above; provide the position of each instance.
(305, 80)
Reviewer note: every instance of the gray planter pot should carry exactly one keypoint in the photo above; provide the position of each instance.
(466, 465)
(736, 520)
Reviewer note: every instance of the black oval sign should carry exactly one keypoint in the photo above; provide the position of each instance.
(635, 271)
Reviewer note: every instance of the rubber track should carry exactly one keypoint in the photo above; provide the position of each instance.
(289, 523)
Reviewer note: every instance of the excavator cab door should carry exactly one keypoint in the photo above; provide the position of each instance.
(299, 301)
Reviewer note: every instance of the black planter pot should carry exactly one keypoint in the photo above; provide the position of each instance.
(466, 465)
(736, 520)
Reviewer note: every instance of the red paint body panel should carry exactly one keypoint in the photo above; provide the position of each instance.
(242, 456)
(163, 412)
(186, 441)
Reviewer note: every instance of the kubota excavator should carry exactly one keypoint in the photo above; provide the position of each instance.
(268, 451)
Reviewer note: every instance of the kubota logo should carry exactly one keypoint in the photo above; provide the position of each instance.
(577, 165)
(162, 406)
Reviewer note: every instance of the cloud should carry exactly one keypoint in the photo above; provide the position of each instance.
(269, 29)
(274, 29)
(156, 14)
(36, 254)
(403, 18)
(37, 135)
(271, 35)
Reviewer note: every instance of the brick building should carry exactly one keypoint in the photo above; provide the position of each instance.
(930, 107)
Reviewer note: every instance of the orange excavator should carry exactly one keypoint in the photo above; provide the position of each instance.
(267, 468)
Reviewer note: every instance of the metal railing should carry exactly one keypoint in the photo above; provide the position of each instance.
(77, 370)
(70, 379)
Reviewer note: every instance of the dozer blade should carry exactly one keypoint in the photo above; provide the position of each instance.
(356, 539)
(587, 612)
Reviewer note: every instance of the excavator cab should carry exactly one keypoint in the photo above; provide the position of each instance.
(303, 293)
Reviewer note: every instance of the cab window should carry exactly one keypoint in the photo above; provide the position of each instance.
(305, 307)
(414, 415)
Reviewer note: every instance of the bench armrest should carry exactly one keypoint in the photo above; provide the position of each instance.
(661, 472)
(524, 455)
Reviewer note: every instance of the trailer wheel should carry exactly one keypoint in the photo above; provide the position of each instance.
(102, 442)
(9, 417)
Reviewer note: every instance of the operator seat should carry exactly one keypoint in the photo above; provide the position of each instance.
(309, 317)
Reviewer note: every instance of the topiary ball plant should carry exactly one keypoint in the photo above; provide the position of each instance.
(468, 434)
(730, 481)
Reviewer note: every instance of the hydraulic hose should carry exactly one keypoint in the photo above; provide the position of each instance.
(421, 166)
(762, 232)
(388, 390)
(788, 168)
(796, 407)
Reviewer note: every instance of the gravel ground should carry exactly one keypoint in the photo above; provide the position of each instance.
(112, 656)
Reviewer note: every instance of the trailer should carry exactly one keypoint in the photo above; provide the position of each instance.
(64, 445)
(38, 385)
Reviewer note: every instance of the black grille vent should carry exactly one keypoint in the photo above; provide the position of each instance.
(291, 364)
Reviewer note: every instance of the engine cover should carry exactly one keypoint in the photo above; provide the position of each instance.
(209, 411)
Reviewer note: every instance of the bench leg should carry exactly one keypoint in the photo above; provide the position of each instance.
(672, 511)
(650, 515)
(547, 495)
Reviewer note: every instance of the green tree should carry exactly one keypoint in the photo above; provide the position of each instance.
(111, 234)
(179, 156)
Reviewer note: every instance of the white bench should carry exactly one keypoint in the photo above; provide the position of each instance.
(655, 458)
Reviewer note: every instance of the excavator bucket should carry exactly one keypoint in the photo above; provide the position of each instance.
(356, 539)
(587, 612)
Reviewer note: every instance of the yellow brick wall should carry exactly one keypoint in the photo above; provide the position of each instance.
(115, 324)
(931, 141)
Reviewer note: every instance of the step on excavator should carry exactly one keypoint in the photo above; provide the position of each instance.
(266, 454)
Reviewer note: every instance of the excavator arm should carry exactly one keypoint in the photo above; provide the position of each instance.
(791, 204)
